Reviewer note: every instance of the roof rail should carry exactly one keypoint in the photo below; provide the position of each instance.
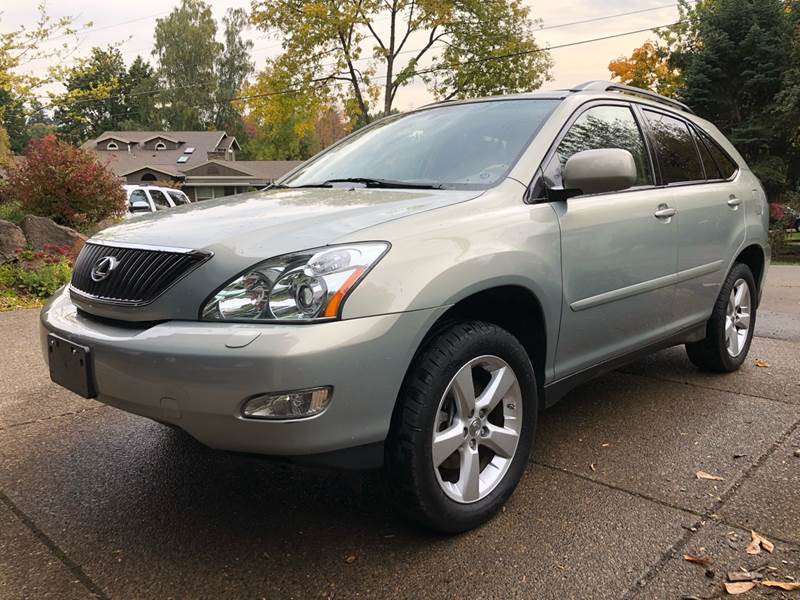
(610, 86)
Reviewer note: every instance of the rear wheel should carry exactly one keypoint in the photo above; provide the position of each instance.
(463, 427)
(729, 331)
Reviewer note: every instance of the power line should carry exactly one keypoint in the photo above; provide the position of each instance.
(301, 89)
(481, 60)
(156, 91)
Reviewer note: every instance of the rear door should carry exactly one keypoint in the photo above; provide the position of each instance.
(159, 199)
(710, 219)
(618, 255)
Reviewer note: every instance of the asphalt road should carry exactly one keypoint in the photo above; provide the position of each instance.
(98, 503)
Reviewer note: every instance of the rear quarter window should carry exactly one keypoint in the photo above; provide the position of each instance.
(726, 166)
(677, 154)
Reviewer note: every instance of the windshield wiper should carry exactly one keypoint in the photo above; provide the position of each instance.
(374, 183)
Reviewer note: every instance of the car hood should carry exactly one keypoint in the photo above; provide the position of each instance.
(262, 224)
(245, 229)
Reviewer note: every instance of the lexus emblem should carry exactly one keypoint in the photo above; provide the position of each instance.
(103, 268)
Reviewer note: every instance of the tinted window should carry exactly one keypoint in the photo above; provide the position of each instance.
(709, 164)
(726, 166)
(159, 199)
(178, 198)
(137, 195)
(601, 127)
(677, 154)
(469, 145)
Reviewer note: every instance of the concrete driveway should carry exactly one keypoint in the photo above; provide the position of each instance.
(98, 503)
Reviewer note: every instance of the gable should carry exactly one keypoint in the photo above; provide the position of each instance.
(215, 169)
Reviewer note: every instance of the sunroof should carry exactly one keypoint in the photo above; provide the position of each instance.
(189, 150)
(183, 159)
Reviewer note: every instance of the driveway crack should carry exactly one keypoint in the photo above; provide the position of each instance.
(73, 567)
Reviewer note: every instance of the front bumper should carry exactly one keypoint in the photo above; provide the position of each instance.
(196, 375)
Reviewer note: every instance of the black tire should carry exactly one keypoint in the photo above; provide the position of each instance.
(411, 475)
(711, 354)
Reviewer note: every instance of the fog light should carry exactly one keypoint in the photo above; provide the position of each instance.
(288, 405)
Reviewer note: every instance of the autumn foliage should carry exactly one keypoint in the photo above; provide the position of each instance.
(64, 183)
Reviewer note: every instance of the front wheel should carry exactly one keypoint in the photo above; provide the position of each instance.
(729, 331)
(463, 428)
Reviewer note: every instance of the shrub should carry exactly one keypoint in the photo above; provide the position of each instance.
(11, 211)
(64, 183)
(37, 273)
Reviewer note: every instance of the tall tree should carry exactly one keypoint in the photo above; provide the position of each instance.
(187, 53)
(94, 99)
(18, 85)
(140, 100)
(331, 126)
(329, 43)
(647, 67)
(734, 74)
(282, 123)
(233, 67)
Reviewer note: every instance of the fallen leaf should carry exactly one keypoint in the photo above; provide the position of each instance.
(605, 445)
(709, 476)
(350, 559)
(784, 585)
(699, 560)
(757, 543)
(762, 363)
(592, 467)
(739, 587)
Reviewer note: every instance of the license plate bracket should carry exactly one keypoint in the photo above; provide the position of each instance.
(70, 365)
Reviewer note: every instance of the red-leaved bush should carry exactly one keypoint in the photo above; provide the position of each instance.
(64, 183)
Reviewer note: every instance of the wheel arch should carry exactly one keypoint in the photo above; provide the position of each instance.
(753, 256)
(503, 305)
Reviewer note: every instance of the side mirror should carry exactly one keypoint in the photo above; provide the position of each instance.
(139, 206)
(599, 171)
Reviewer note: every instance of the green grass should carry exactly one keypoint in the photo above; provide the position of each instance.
(11, 300)
(11, 211)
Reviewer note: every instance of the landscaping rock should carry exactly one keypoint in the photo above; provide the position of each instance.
(11, 239)
(41, 231)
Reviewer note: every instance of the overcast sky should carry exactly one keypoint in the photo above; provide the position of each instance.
(572, 65)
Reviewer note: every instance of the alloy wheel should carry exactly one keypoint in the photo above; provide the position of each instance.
(737, 318)
(479, 421)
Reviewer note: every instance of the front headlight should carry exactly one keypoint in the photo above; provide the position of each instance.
(303, 286)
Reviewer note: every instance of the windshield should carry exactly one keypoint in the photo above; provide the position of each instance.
(469, 146)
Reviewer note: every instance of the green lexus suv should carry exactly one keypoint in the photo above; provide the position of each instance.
(415, 294)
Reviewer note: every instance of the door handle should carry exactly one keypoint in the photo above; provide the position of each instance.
(733, 202)
(665, 212)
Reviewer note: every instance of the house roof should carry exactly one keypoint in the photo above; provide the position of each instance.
(126, 160)
(134, 158)
(267, 169)
(159, 168)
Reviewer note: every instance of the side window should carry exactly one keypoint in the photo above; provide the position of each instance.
(159, 200)
(727, 167)
(709, 164)
(601, 127)
(677, 154)
(178, 198)
(137, 195)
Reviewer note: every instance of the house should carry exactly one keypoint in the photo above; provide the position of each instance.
(202, 162)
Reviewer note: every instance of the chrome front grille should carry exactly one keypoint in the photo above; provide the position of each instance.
(138, 276)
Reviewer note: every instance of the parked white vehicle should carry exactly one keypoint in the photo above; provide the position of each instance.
(150, 198)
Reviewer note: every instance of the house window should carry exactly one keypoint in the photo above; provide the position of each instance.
(112, 146)
(203, 192)
(183, 158)
(189, 150)
(161, 146)
(148, 177)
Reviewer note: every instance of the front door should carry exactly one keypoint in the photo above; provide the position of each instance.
(618, 250)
